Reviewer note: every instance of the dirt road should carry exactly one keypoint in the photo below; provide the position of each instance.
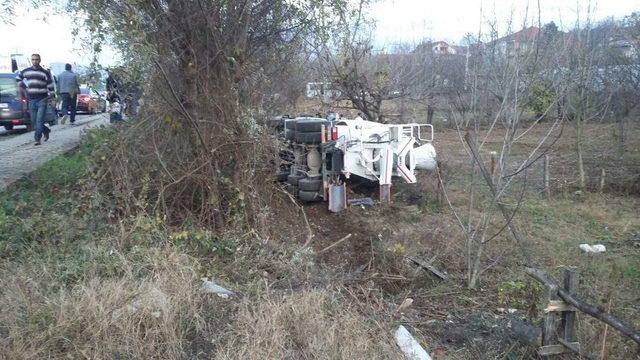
(19, 156)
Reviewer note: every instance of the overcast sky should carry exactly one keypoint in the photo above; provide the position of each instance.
(449, 20)
(398, 21)
(47, 32)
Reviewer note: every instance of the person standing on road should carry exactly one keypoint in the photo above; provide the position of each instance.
(38, 84)
(68, 88)
(112, 92)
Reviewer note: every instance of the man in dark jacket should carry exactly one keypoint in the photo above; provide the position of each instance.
(68, 88)
(112, 91)
(38, 84)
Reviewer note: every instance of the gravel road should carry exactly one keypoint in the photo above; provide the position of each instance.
(19, 156)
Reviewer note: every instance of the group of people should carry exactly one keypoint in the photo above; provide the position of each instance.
(38, 84)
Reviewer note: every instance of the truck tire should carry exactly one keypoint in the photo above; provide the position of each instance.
(311, 125)
(293, 179)
(282, 176)
(308, 137)
(310, 184)
(309, 196)
(8, 127)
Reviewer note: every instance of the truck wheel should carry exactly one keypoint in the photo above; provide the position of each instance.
(282, 176)
(8, 127)
(293, 179)
(309, 196)
(310, 184)
(308, 137)
(311, 125)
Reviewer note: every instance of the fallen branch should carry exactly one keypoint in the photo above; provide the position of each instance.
(304, 216)
(606, 329)
(585, 307)
(334, 244)
(425, 265)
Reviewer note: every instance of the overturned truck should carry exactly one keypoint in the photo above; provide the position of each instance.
(322, 157)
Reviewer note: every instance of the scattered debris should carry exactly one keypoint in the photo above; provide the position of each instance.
(509, 310)
(598, 248)
(409, 345)
(362, 202)
(334, 244)
(209, 287)
(405, 304)
(425, 265)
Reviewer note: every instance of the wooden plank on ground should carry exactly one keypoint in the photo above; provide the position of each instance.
(425, 265)
(549, 350)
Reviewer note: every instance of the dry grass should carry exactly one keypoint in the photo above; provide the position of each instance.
(312, 324)
(161, 315)
(100, 318)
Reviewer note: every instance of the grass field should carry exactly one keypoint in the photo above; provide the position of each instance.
(77, 282)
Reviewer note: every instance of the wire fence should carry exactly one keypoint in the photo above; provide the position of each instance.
(556, 172)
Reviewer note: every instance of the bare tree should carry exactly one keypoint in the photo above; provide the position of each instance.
(587, 98)
(498, 99)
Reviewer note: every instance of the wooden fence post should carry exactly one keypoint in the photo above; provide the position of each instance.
(547, 190)
(571, 303)
(440, 180)
(559, 340)
(493, 163)
(549, 326)
(569, 317)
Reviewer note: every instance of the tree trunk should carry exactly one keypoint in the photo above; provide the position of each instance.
(430, 112)
(579, 151)
(622, 136)
(474, 271)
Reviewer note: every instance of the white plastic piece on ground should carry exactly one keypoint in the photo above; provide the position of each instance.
(209, 287)
(598, 248)
(425, 157)
(409, 345)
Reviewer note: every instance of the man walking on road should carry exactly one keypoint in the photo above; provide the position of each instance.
(39, 86)
(68, 88)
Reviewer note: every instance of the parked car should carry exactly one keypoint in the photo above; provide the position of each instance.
(14, 110)
(90, 101)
